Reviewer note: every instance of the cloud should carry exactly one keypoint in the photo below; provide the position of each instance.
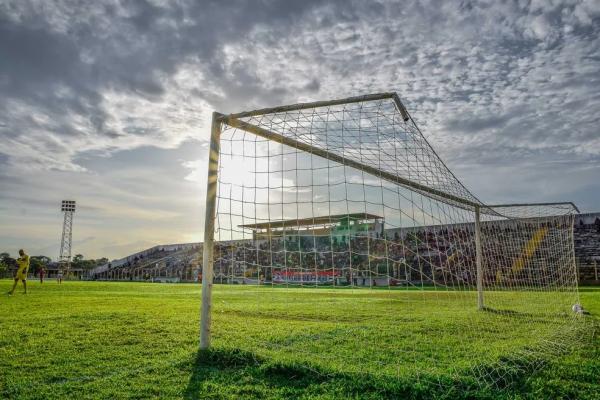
(109, 76)
(492, 84)
(197, 171)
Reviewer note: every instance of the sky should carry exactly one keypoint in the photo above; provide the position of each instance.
(109, 103)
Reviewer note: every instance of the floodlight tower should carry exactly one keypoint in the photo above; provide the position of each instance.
(68, 208)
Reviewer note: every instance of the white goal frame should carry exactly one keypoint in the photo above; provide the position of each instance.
(235, 121)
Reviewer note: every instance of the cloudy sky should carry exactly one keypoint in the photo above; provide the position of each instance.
(109, 102)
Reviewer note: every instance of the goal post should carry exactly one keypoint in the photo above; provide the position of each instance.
(478, 258)
(348, 194)
(209, 229)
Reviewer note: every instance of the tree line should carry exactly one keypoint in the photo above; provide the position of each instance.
(8, 264)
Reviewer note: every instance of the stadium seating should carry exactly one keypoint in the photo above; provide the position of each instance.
(421, 254)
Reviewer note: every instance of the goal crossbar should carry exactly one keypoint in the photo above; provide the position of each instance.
(559, 203)
(316, 104)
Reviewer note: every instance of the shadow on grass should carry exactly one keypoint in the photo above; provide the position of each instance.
(503, 312)
(531, 317)
(233, 374)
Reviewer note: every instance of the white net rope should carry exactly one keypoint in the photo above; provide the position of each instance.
(339, 268)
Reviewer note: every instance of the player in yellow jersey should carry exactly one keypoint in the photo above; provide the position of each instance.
(21, 275)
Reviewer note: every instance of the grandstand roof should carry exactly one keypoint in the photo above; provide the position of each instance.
(294, 223)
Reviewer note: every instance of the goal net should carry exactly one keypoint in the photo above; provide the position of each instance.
(343, 243)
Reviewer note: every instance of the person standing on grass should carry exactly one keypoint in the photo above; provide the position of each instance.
(59, 277)
(21, 275)
(42, 273)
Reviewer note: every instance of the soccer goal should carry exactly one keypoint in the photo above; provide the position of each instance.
(343, 242)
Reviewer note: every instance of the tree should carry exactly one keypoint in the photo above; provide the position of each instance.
(102, 261)
(6, 264)
(36, 263)
(79, 262)
(3, 266)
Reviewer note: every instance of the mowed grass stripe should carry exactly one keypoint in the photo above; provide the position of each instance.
(140, 340)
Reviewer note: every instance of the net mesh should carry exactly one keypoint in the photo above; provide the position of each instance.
(344, 243)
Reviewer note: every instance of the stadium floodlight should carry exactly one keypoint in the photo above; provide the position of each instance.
(349, 193)
(64, 259)
(68, 205)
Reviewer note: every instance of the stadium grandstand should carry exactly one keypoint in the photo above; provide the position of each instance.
(353, 249)
(587, 247)
(163, 263)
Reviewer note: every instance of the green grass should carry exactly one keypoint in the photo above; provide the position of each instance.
(135, 340)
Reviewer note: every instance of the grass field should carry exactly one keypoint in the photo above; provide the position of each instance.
(137, 340)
